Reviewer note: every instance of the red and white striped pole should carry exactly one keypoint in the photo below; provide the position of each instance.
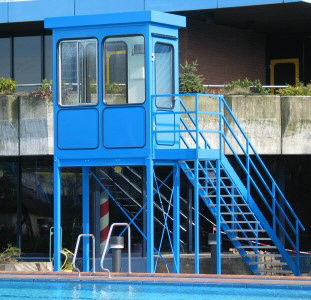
(104, 219)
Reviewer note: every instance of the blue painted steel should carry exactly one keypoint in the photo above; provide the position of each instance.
(218, 219)
(86, 217)
(57, 218)
(196, 218)
(150, 217)
(130, 18)
(122, 131)
(176, 217)
(78, 129)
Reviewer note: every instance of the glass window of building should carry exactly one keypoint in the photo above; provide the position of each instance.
(36, 193)
(5, 58)
(78, 72)
(124, 60)
(164, 74)
(47, 57)
(27, 62)
(8, 203)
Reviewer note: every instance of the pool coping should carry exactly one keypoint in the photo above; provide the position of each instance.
(163, 278)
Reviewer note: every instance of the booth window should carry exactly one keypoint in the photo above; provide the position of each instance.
(124, 70)
(78, 72)
(164, 75)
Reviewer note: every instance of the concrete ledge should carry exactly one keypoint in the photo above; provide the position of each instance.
(27, 267)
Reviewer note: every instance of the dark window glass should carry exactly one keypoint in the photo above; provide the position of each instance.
(48, 57)
(36, 205)
(71, 201)
(5, 57)
(27, 61)
(164, 75)
(8, 207)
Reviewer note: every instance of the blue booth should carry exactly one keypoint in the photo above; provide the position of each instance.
(117, 104)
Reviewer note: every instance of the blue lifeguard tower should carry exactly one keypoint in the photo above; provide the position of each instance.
(117, 104)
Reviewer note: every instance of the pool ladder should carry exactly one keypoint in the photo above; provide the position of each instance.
(105, 250)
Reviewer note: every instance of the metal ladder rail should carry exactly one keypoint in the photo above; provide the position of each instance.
(106, 246)
(76, 252)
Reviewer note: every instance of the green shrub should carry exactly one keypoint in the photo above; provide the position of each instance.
(189, 81)
(115, 89)
(9, 254)
(44, 90)
(245, 87)
(298, 90)
(7, 85)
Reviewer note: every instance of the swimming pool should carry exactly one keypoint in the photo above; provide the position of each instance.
(39, 290)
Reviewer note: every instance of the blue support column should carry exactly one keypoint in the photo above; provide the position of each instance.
(176, 213)
(150, 216)
(57, 217)
(196, 219)
(86, 217)
(218, 226)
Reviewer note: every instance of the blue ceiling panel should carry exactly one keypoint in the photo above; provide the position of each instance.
(177, 5)
(89, 7)
(34, 10)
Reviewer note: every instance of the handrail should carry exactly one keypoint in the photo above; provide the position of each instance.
(254, 164)
(50, 240)
(106, 246)
(76, 252)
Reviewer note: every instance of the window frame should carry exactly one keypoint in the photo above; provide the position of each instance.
(59, 77)
(127, 69)
(173, 76)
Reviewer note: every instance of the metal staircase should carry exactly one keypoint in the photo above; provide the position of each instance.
(254, 213)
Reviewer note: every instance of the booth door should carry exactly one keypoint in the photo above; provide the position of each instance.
(165, 84)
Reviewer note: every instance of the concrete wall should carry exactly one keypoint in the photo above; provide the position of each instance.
(26, 126)
(9, 143)
(274, 124)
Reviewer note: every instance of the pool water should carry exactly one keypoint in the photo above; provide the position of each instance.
(101, 290)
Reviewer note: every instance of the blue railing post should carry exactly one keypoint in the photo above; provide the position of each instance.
(248, 183)
(273, 208)
(297, 248)
(218, 225)
(176, 213)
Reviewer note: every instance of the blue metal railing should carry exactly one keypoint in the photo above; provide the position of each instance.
(229, 138)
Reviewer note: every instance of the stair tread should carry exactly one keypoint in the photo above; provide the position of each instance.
(262, 255)
(239, 222)
(251, 239)
(274, 271)
(275, 263)
(237, 213)
(246, 230)
(257, 247)
(222, 196)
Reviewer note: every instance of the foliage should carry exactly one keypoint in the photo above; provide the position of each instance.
(298, 90)
(189, 81)
(9, 254)
(44, 91)
(7, 85)
(115, 89)
(245, 87)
